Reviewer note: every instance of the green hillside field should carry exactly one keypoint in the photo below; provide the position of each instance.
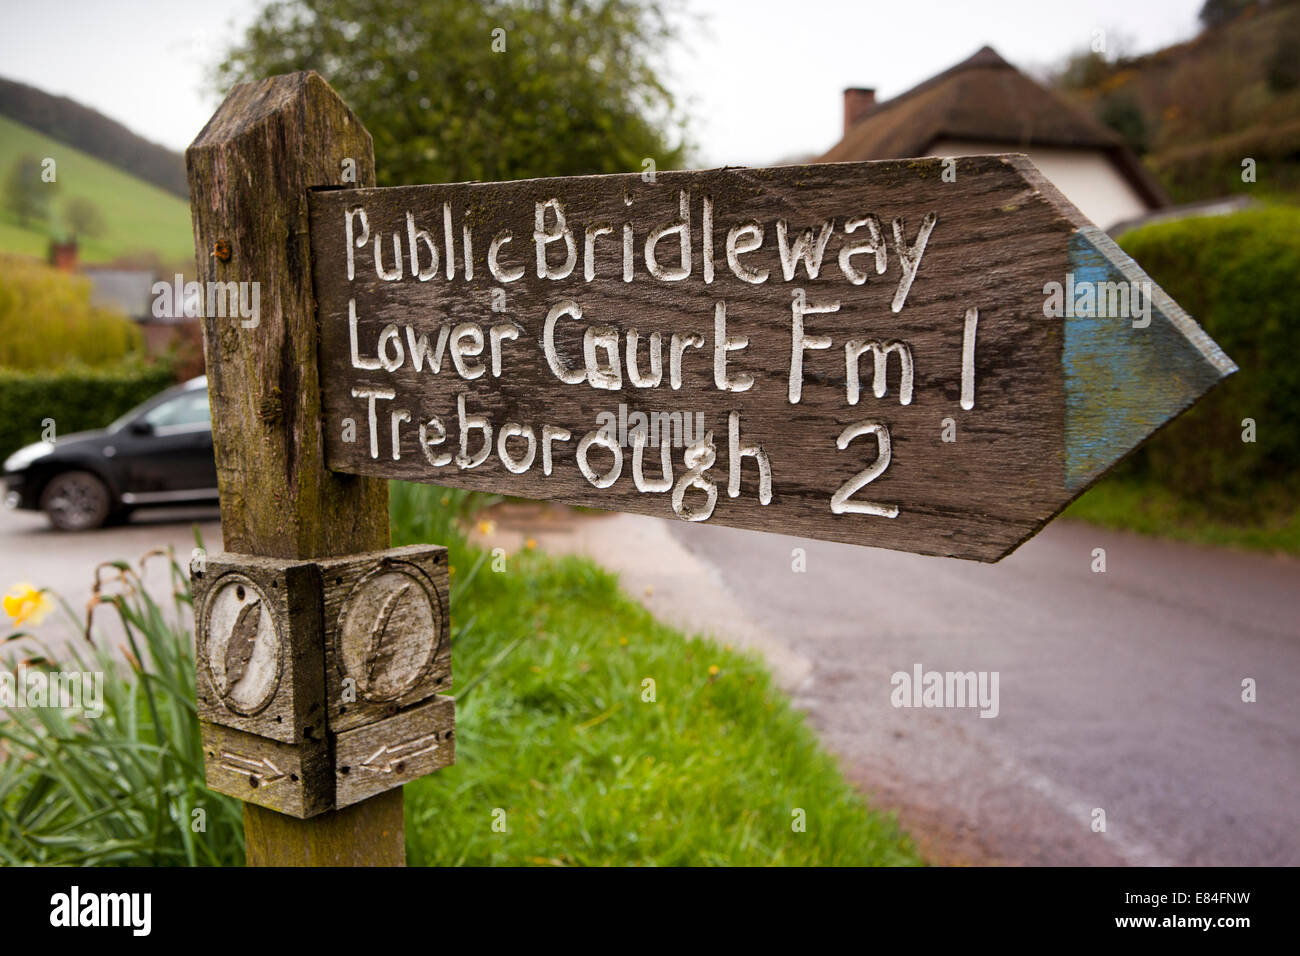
(138, 217)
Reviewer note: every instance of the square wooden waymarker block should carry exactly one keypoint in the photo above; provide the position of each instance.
(387, 654)
(317, 682)
(387, 633)
(259, 657)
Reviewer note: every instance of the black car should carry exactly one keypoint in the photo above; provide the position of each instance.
(159, 453)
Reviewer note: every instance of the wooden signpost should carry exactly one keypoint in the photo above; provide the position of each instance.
(794, 345)
(250, 171)
(928, 355)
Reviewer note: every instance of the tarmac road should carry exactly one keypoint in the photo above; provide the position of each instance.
(1119, 690)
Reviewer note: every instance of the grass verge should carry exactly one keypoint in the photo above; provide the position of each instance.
(1156, 510)
(563, 740)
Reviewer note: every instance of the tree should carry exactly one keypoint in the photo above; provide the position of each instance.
(1215, 13)
(1083, 70)
(493, 90)
(82, 217)
(1122, 113)
(1283, 72)
(26, 195)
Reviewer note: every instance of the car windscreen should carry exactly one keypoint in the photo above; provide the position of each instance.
(189, 407)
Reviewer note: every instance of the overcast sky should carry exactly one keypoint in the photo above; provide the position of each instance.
(761, 79)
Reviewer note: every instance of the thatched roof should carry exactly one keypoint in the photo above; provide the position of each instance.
(987, 99)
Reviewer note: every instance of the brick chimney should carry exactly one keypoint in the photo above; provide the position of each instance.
(858, 102)
(63, 255)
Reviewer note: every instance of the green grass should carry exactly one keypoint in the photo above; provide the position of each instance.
(551, 660)
(16, 239)
(1152, 509)
(138, 216)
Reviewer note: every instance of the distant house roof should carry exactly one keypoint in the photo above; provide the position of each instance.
(126, 290)
(985, 98)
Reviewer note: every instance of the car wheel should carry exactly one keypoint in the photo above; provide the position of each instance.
(76, 501)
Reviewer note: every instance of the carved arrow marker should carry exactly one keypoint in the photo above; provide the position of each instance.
(238, 763)
(398, 753)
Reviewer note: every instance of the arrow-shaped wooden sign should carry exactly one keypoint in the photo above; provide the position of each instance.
(928, 355)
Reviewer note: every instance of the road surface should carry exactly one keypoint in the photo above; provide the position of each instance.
(1119, 691)
(32, 552)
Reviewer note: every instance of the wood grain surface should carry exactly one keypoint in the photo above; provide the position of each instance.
(395, 603)
(377, 757)
(291, 779)
(250, 170)
(1014, 416)
(288, 594)
(369, 833)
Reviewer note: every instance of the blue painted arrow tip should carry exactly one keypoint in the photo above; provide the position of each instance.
(1123, 382)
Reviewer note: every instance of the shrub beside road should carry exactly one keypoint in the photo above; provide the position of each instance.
(63, 358)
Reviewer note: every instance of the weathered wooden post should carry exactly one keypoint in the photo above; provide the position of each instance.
(250, 171)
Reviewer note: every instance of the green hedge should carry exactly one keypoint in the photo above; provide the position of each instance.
(77, 398)
(1237, 275)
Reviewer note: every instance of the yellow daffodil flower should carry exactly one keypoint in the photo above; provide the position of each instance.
(25, 603)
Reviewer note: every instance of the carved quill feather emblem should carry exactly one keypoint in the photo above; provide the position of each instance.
(375, 650)
(239, 649)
